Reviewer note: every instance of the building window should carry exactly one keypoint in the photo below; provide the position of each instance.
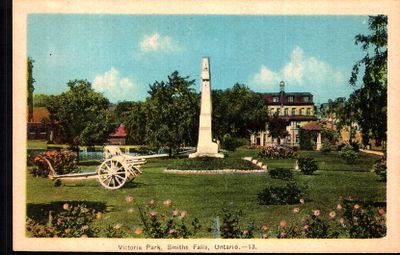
(275, 99)
(286, 111)
(308, 111)
(293, 111)
(306, 99)
(290, 99)
(271, 111)
(301, 111)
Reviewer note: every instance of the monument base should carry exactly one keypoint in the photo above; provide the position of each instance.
(211, 155)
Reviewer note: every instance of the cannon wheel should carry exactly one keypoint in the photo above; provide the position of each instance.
(112, 174)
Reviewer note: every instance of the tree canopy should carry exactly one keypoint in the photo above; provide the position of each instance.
(81, 115)
(31, 88)
(172, 112)
(369, 100)
(237, 112)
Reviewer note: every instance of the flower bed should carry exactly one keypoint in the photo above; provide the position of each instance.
(208, 163)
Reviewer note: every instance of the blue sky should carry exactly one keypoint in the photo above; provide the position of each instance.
(122, 54)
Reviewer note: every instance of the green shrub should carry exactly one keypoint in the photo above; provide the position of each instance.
(209, 163)
(281, 173)
(230, 226)
(355, 146)
(307, 165)
(348, 154)
(319, 228)
(326, 146)
(290, 194)
(307, 139)
(331, 135)
(380, 168)
(231, 143)
(63, 162)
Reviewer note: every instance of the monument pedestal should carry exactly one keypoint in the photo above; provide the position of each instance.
(205, 146)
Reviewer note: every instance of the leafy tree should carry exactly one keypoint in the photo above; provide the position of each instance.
(122, 110)
(277, 127)
(135, 122)
(237, 112)
(31, 88)
(172, 112)
(81, 115)
(369, 101)
(40, 100)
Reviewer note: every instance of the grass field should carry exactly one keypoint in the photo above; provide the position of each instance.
(204, 196)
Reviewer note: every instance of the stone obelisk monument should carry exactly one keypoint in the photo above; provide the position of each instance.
(205, 146)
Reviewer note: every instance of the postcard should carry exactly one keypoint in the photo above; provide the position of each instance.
(205, 126)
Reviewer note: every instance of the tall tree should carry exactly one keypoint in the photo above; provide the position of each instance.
(172, 112)
(40, 100)
(31, 88)
(135, 122)
(369, 101)
(122, 110)
(81, 115)
(238, 112)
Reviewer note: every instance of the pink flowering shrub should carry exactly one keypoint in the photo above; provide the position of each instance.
(277, 152)
(363, 220)
(63, 162)
(115, 231)
(72, 221)
(166, 222)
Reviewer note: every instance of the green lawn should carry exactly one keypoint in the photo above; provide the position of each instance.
(203, 196)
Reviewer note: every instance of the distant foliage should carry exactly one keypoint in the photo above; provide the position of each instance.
(307, 165)
(331, 135)
(380, 168)
(307, 139)
(281, 173)
(348, 154)
(231, 143)
(277, 152)
(63, 162)
(288, 195)
(355, 146)
(326, 146)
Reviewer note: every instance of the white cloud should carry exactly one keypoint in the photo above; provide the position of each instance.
(300, 73)
(265, 76)
(157, 43)
(116, 88)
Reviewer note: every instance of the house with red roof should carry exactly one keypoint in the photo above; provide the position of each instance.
(118, 137)
(295, 108)
(35, 127)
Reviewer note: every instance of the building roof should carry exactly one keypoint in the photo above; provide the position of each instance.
(297, 98)
(119, 131)
(312, 126)
(39, 114)
(298, 118)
